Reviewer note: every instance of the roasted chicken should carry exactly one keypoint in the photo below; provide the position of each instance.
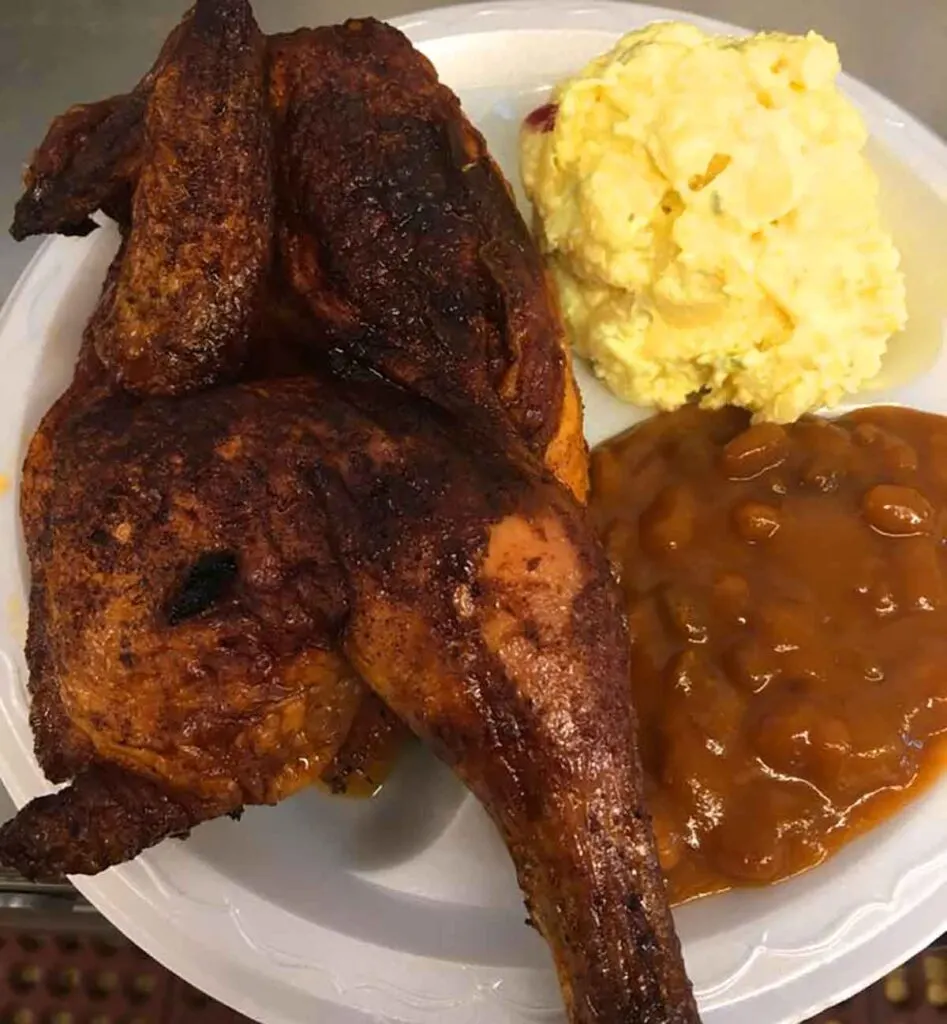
(388, 497)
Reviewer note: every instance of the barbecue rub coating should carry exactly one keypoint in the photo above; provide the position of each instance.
(201, 219)
(400, 233)
(463, 583)
(185, 611)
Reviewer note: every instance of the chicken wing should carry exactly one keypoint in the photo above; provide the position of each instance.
(399, 231)
(199, 245)
(463, 583)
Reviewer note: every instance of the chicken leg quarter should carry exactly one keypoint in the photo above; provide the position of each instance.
(460, 580)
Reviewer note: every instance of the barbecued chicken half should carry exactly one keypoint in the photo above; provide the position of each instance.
(473, 325)
(220, 569)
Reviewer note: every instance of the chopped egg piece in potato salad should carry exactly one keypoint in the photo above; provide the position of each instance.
(712, 222)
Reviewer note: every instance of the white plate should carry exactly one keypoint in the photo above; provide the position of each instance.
(405, 908)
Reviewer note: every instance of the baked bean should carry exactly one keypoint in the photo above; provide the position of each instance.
(881, 598)
(816, 663)
(755, 521)
(711, 705)
(731, 597)
(764, 446)
(786, 625)
(746, 847)
(798, 737)
(898, 511)
(896, 454)
(921, 575)
(822, 474)
(741, 853)
(752, 665)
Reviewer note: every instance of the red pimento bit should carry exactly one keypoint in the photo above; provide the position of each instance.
(543, 119)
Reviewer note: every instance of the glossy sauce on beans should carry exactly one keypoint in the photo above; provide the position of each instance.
(786, 591)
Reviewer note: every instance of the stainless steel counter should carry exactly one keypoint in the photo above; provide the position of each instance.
(56, 52)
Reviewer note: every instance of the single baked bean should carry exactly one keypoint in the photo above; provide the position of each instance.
(881, 596)
(821, 474)
(710, 702)
(747, 846)
(731, 597)
(763, 446)
(865, 435)
(787, 624)
(799, 738)
(827, 455)
(875, 764)
(810, 660)
(897, 511)
(756, 521)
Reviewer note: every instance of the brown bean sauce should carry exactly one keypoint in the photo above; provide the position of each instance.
(786, 591)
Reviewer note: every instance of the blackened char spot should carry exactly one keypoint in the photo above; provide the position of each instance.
(208, 580)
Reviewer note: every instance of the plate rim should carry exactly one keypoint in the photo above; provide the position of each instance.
(120, 892)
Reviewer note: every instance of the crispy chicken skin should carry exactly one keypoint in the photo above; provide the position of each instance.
(86, 162)
(400, 233)
(355, 758)
(184, 611)
(198, 250)
(123, 810)
(461, 581)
